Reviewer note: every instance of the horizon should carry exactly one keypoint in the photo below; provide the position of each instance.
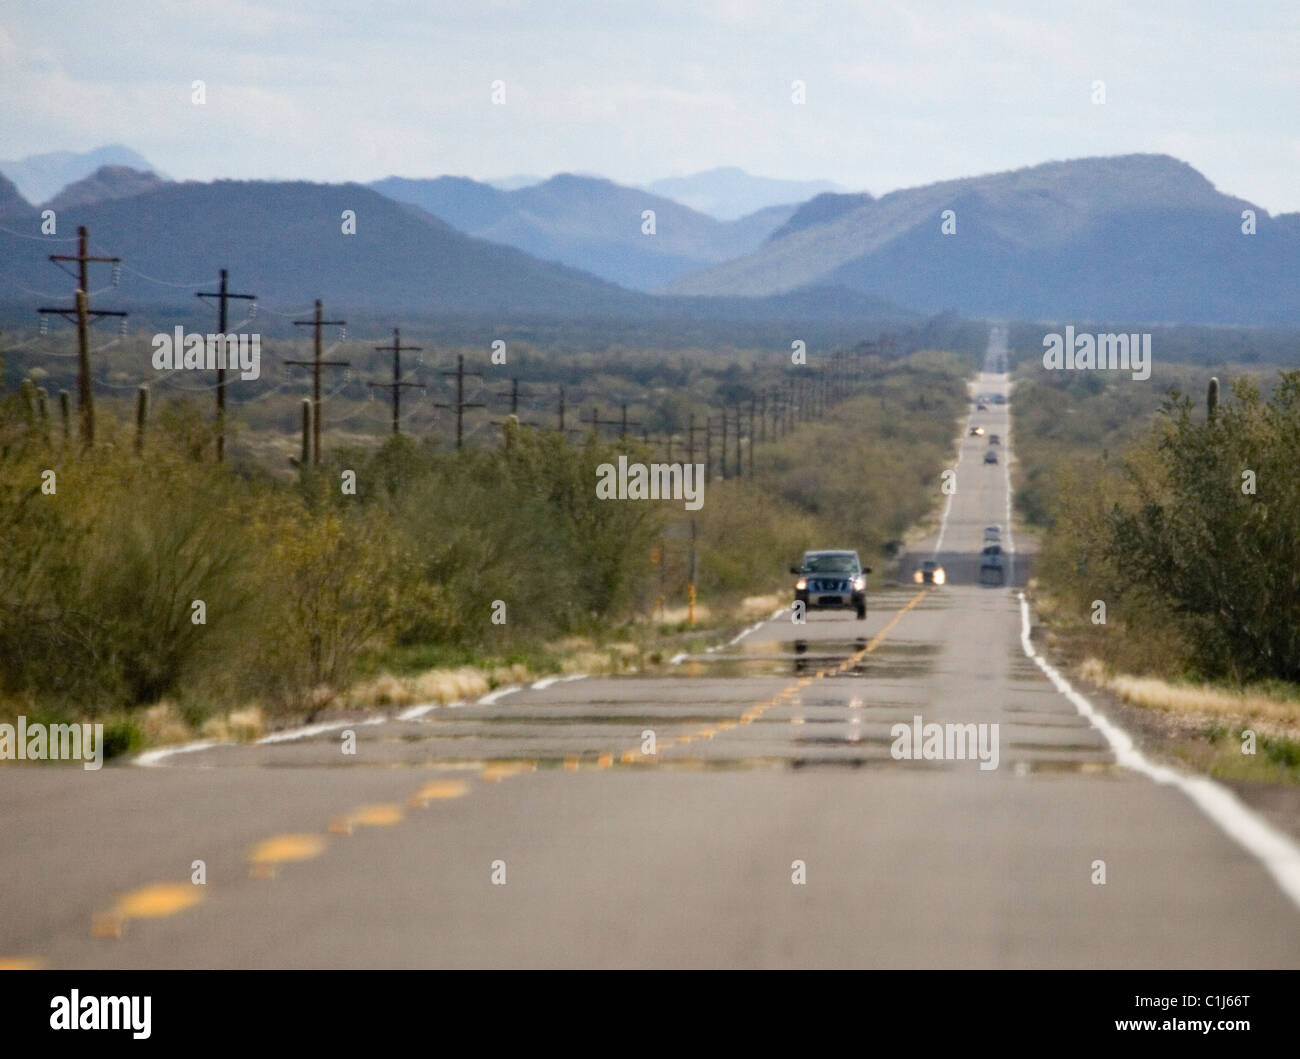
(516, 182)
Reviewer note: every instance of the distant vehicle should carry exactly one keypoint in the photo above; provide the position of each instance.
(977, 431)
(929, 573)
(992, 533)
(990, 456)
(999, 398)
(831, 579)
(981, 407)
(993, 440)
(992, 572)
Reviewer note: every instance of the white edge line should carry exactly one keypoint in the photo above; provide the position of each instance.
(150, 758)
(1275, 850)
(290, 734)
(546, 682)
(500, 693)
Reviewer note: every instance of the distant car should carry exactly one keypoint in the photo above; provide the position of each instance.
(991, 569)
(981, 407)
(977, 431)
(992, 533)
(831, 579)
(990, 456)
(929, 573)
(999, 398)
(993, 440)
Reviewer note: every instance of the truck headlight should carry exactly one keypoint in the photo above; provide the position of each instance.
(800, 585)
(859, 583)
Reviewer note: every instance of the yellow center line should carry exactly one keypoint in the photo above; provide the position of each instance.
(757, 710)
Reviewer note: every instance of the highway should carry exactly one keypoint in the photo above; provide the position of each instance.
(771, 826)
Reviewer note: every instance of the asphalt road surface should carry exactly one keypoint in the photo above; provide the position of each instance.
(772, 825)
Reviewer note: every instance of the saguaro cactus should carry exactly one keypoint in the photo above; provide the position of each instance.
(141, 415)
(1212, 400)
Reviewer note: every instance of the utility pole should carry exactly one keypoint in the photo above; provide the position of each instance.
(513, 394)
(622, 434)
(753, 408)
(316, 364)
(739, 454)
(397, 385)
(723, 461)
(222, 295)
(461, 404)
(561, 428)
(83, 316)
(708, 448)
(621, 423)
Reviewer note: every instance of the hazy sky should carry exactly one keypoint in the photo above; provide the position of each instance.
(898, 94)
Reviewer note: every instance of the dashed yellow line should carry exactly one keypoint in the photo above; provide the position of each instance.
(501, 770)
(148, 902)
(437, 790)
(757, 710)
(21, 963)
(377, 815)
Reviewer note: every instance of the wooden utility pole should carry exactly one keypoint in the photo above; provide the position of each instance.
(723, 462)
(397, 385)
(461, 404)
(753, 408)
(306, 433)
(622, 433)
(708, 448)
(316, 323)
(513, 394)
(222, 295)
(596, 422)
(739, 453)
(82, 316)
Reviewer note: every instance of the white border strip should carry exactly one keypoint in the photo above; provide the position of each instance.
(1275, 850)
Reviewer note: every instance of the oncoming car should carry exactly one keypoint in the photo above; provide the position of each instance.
(831, 579)
(990, 456)
(929, 573)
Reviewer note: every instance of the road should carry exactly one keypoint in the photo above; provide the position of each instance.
(771, 827)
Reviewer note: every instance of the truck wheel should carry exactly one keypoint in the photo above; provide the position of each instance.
(862, 611)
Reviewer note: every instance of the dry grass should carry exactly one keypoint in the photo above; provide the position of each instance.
(450, 685)
(162, 723)
(1198, 702)
(761, 606)
(238, 726)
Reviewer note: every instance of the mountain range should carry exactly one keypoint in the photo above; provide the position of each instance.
(1134, 237)
(286, 242)
(40, 177)
(591, 224)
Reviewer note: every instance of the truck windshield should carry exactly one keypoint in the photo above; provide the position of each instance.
(830, 564)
